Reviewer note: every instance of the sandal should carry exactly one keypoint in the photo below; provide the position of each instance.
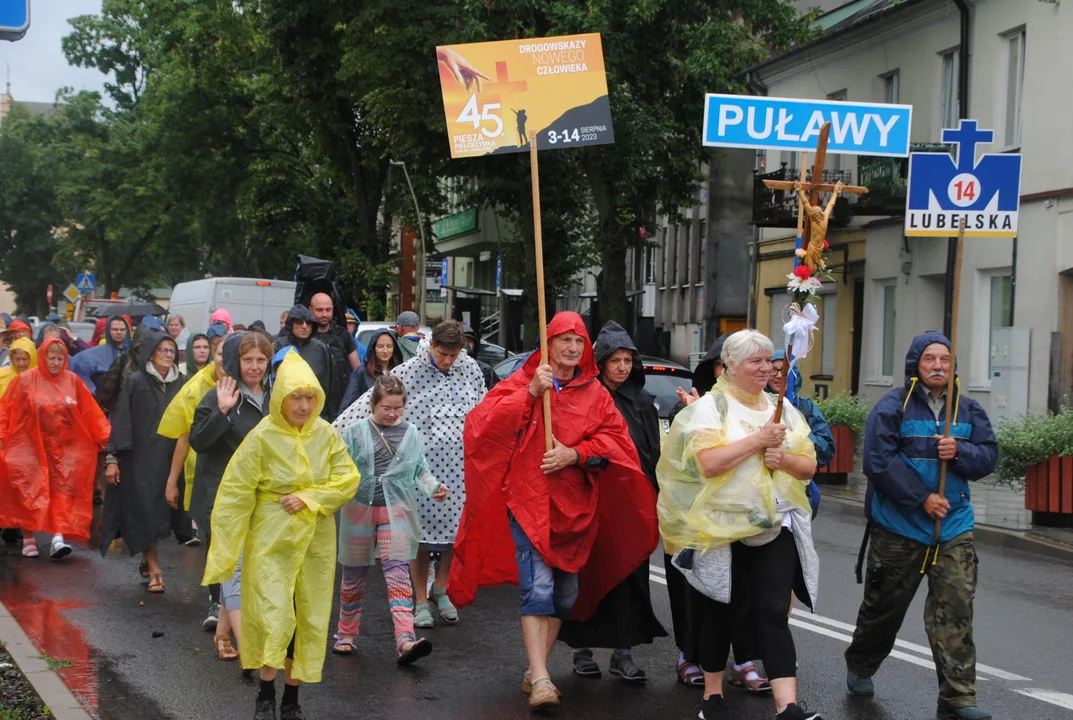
(421, 648)
(143, 569)
(739, 679)
(30, 550)
(156, 584)
(448, 612)
(585, 666)
(344, 645)
(623, 667)
(690, 674)
(224, 649)
(422, 617)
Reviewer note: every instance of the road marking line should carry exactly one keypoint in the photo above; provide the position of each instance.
(1063, 700)
(658, 579)
(658, 570)
(846, 639)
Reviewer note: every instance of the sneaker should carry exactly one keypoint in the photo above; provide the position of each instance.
(966, 713)
(544, 693)
(60, 550)
(291, 712)
(798, 712)
(714, 708)
(209, 623)
(860, 685)
(265, 710)
(194, 541)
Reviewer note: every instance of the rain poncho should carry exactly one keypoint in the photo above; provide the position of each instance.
(438, 403)
(703, 513)
(179, 417)
(597, 518)
(51, 430)
(92, 364)
(8, 372)
(407, 474)
(288, 574)
(137, 508)
(111, 385)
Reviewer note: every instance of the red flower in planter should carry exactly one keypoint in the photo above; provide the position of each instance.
(802, 272)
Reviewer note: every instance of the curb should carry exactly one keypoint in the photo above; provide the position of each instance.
(989, 535)
(56, 696)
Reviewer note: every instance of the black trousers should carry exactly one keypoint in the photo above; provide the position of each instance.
(763, 576)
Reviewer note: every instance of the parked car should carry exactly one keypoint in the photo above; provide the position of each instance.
(247, 299)
(492, 354)
(662, 380)
(367, 329)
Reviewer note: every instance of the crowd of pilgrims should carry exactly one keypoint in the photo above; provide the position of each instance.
(253, 445)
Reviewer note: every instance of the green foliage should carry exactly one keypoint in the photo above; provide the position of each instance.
(845, 410)
(55, 664)
(1029, 440)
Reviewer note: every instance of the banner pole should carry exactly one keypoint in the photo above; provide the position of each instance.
(951, 385)
(542, 314)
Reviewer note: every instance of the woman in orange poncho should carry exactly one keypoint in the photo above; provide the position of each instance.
(51, 430)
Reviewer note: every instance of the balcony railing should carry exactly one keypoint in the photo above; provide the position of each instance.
(886, 178)
(778, 208)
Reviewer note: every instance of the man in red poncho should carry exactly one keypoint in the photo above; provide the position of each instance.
(582, 514)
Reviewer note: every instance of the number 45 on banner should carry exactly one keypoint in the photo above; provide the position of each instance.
(470, 114)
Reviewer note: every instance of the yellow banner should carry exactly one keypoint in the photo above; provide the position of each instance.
(497, 95)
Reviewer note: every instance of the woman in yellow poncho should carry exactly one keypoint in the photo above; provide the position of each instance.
(23, 356)
(734, 513)
(275, 508)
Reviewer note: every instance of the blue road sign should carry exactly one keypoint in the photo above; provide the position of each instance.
(14, 19)
(985, 195)
(86, 282)
(745, 121)
(499, 272)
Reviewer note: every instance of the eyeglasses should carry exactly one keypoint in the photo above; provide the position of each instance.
(165, 351)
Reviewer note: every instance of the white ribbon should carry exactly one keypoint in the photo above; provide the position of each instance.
(799, 330)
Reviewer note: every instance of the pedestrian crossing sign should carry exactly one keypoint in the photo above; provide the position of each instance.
(86, 282)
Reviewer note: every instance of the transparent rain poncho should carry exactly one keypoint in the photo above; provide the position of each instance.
(705, 513)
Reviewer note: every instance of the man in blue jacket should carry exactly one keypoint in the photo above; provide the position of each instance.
(903, 450)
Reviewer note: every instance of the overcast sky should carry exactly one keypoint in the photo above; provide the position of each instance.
(36, 63)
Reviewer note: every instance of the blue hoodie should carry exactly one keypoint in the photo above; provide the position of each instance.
(901, 456)
(91, 364)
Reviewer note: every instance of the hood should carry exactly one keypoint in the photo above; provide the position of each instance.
(370, 349)
(217, 329)
(28, 347)
(916, 349)
(231, 360)
(191, 367)
(107, 332)
(41, 331)
(562, 323)
(150, 322)
(223, 316)
(352, 316)
(614, 337)
(150, 344)
(467, 330)
(300, 312)
(795, 374)
(42, 357)
(141, 336)
(703, 377)
(19, 325)
(294, 374)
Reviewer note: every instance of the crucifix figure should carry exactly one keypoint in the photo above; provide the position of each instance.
(818, 218)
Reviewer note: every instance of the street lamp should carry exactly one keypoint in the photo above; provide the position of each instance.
(419, 281)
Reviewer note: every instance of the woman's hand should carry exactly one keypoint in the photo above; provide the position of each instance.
(227, 394)
(171, 493)
(111, 473)
(771, 435)
(687, 399)
(774, 458)
(441, 493)
(292, 504)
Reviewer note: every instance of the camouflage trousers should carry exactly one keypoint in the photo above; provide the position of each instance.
(893, 576)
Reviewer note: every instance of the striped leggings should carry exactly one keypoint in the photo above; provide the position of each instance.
(399, 593)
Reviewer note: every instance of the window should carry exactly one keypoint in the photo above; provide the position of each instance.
(828, 331)
(891, 82)
(1001, 315)
(887, 317)
(1015, 80)
(648, 261)
(949, 101)
(779, 317)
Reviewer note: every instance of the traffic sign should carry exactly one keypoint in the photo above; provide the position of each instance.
(984, 196)
(86, 282)
(443, 278)
(14, 19)
(71, 293)
(747, 121)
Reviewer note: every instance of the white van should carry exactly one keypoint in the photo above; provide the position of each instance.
(247, 299)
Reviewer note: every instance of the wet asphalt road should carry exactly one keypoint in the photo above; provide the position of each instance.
(96, 614)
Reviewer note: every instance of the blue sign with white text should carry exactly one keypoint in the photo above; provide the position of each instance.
(746, 121)
(983, 194)
(14, 19)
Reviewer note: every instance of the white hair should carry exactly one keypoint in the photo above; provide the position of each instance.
(743, 345)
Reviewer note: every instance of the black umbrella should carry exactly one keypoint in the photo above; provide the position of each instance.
(134, 309)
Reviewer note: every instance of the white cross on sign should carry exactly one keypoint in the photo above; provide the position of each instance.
(71, 293)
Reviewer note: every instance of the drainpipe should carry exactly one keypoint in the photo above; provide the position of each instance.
(963, 113)
(757, 88)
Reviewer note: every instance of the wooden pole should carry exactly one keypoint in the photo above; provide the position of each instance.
(951, 385)
(799, 243)
(542, 314)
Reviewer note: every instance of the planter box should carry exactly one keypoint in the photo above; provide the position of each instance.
(1049, 491)
(837, 472)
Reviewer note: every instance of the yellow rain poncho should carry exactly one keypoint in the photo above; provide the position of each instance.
(9, 373)
(288, 572)
(705, 513)
(179, 416)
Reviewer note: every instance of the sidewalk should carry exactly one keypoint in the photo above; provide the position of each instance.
(998, 509)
